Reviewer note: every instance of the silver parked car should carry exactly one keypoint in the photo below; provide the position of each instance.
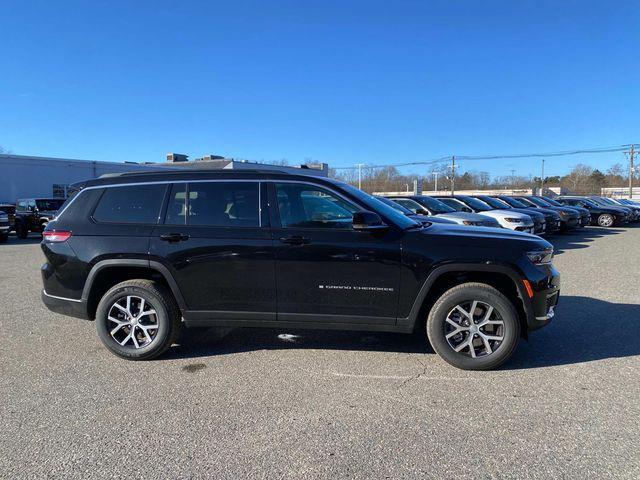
(425, 205)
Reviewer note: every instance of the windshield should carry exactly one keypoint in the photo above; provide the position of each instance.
(475, 203)
(525, 202)
(376, 205)
(551, 202)
(433, 204)
(45, 205)
(454, 203)
(599, 201)
(514, 203)
(591, 203)
(495, 203)
(394, 205)
(538, 201)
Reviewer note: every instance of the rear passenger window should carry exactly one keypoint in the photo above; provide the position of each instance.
(214, 204)
(130, 204)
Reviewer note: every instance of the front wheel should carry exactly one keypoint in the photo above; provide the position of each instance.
(474, 327)
(605, 220)
(138, 319)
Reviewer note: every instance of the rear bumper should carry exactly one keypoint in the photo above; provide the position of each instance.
(65, 306)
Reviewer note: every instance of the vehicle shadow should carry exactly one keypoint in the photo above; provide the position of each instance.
(584, 330)
(580, 238)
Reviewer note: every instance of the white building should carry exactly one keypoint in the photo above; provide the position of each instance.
(23, 176)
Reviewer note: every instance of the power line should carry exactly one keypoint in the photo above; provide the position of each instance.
(446, 158)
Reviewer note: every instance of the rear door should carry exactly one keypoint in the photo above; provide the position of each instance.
(217, 245)
(326, 271)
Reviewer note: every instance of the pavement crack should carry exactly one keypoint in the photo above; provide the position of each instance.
(416, 376)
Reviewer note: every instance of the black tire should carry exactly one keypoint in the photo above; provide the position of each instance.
(22, 231)
(605, 220)
(503, 310)
(4, 238)
(167, 318)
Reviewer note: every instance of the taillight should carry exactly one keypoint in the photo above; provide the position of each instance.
(55, 236)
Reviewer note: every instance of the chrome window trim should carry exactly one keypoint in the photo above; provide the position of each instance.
(168, 182)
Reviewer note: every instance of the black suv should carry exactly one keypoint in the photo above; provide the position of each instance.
(145, 254)
(33, 214)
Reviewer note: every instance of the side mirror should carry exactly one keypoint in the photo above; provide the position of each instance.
(422, 211)
(365, 220)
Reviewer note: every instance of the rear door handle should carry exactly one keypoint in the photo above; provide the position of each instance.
(295, 240)
(174, 237)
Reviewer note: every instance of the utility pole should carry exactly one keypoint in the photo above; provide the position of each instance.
(453, 175)
(542, 179)
(631, 172)
(435, 187)
(359, 165)
(513, 179)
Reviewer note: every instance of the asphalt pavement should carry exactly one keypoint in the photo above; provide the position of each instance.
(254, 403)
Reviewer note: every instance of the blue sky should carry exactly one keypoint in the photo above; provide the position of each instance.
(343, 82)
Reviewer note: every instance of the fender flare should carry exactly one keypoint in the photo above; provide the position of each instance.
(437, 272)
(133, 262)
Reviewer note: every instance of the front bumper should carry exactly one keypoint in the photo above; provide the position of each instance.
(544, 301)
(570, 223)
(552, 225)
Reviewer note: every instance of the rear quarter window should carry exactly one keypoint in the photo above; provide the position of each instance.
(130, 204)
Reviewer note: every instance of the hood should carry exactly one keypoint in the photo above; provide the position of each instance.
(460, 235)
(507, 214)
(472, 217)
(532, 213)
(431, 219)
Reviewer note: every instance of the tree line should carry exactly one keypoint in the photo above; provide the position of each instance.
(582, 179)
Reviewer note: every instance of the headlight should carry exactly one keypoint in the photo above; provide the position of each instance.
(468, 222)
(514, 220)
(541, 257)
(563, 214)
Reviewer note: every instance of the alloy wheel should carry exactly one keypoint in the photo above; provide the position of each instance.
(605, 220)
(474, 328)
(133, 322)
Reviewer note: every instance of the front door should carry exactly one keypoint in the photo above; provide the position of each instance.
(326, 271)
(219, 249)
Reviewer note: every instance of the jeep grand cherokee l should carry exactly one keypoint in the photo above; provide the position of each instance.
(146, 254)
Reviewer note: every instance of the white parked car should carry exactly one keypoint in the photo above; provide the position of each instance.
(425, 205)
(520, 222)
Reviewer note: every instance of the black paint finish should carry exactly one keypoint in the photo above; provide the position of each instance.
(344, 278)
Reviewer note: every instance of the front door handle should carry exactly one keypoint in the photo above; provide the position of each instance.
(295, 240)
(174, 237)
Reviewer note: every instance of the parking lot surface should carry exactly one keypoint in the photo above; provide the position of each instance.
(314, 404)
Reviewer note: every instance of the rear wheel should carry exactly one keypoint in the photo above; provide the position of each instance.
(474, 327)
(138, 319)
(605, 220)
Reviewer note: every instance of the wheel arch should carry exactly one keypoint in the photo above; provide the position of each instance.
(504, 278)
(107, 273)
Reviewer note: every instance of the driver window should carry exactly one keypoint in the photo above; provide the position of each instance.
(307, 206)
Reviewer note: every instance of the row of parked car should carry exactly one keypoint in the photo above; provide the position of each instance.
(539, 215)
(27, 215)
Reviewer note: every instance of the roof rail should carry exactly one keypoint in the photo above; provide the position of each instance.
(173, 171)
